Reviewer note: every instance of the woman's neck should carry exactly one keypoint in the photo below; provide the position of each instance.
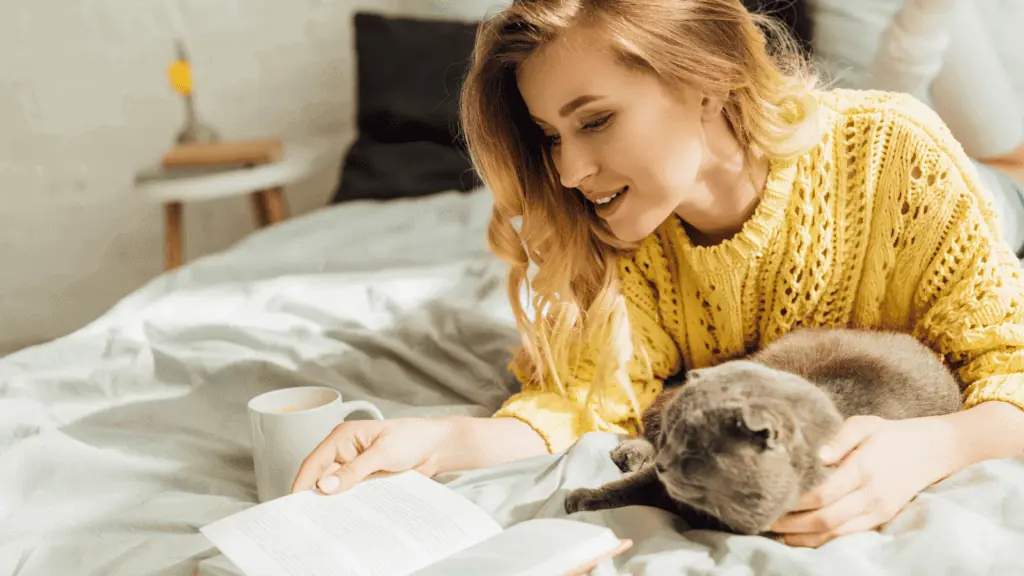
(729, 187)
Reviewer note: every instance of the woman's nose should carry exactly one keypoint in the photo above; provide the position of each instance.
(574, 165)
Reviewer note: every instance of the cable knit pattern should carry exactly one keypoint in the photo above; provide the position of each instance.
(882, 225)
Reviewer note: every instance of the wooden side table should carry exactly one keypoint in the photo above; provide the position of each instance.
(199, 172)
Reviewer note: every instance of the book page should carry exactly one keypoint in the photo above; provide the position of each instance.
(541, 547)
(388, 525)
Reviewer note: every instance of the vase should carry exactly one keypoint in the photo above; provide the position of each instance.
(195, 130)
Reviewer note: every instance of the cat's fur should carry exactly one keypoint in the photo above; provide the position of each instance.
(735, 445)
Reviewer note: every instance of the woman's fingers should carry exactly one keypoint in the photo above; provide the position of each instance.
(845, 480)
(854, 432)
(328, 481)
(312, 468)
(339, 447)
(825, 519)
(860, 523)
(351, 473)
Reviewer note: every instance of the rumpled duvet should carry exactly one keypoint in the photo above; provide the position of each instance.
(119, 441)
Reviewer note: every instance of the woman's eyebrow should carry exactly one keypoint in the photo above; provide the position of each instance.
(572, 106)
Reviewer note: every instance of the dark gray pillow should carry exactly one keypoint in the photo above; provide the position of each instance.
(410, 71)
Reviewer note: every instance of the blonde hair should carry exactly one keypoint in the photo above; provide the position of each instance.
(716, 46)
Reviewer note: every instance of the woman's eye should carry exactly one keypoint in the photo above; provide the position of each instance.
(555, 140)
(600, 122)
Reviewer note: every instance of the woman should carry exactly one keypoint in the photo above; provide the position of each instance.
(684, 198)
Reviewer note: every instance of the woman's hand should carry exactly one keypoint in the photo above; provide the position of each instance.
(357, 449)
(883, 464)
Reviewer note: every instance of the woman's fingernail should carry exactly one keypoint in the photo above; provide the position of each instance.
(329, 484)
(825, 453)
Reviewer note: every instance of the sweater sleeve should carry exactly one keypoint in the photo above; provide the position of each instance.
(561, 419)
(969, 303)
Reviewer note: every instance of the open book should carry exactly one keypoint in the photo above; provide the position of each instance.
(404, 525)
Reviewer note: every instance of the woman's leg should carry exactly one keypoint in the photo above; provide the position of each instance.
(911, 50)
(1008, 196)
(939, 51)
(973, 92)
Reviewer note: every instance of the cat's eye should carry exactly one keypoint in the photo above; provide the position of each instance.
(690, 465)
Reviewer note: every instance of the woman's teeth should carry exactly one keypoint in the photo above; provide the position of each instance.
(610, 198)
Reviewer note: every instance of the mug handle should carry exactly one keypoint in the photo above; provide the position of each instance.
(347, 408)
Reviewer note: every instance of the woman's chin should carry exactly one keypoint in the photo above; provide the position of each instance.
(628, 233)
(634, 228)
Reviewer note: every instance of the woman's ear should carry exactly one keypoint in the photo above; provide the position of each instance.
(711, 107)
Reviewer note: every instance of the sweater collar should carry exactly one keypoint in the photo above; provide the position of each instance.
(756, 231)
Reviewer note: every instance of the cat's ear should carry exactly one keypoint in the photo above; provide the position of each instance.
(758, 425)
(693, 374)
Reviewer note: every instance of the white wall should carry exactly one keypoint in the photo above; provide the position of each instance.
(84, 103)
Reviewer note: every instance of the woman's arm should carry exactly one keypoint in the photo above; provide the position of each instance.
(969, 300)
(483, 442)
(561, 417)
(987, 431)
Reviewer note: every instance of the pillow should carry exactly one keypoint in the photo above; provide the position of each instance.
(410, 71)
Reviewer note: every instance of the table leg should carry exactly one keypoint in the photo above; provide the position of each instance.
(277, 208)
(173, 249)
(259, 209)
(269, 206)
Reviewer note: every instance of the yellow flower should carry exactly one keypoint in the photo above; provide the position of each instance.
(180, 75)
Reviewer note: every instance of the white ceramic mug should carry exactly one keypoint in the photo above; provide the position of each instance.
(287, 425)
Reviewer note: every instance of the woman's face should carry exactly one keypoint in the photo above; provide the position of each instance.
(617, 135)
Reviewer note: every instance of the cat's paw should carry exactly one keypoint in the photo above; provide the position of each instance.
(583, 499)
(633, 454)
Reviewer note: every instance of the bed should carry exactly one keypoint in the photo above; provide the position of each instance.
(120, 440)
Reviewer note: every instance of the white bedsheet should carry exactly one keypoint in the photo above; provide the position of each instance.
(119, 441)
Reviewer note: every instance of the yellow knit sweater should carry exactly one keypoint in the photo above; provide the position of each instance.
(883, 225)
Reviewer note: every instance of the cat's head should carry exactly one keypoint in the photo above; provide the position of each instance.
(739, 442)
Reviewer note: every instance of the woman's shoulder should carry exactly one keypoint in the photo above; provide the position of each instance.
(882, 107)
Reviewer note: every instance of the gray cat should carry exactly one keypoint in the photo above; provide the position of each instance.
(734, 447)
